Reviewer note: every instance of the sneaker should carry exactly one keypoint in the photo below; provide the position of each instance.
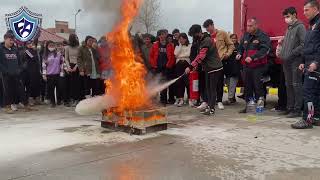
(31, 102)
(294, 115)
(242, 97)
(316, 123)
(180, 104)
(301, 124)
(28, 109)
(205, 110)
(177, 102)
(191, 103)
(8, 110)
(220, 106)
(211, 112)
(285, 113)
(75, 103)
(14, 107)
(230, 102)
(244, 111)
(203, 105)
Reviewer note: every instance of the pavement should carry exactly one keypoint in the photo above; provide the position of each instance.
(57, 144)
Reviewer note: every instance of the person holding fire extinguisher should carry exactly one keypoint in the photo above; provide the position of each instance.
(253, 50)
(209, 59)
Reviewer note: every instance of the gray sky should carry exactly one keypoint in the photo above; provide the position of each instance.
(98, 16)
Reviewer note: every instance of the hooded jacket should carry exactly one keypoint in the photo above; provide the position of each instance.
(9, 61)
(293, 43)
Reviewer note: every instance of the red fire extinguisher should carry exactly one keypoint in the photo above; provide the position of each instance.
(194, 85)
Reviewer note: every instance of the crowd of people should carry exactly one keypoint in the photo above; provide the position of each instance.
(30, 76)
(56, 74)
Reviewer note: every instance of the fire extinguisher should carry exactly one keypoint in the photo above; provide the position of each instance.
(194, 85)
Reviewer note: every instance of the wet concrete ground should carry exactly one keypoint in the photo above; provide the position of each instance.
(56, 144)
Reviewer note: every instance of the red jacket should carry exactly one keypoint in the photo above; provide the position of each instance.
(154, 54)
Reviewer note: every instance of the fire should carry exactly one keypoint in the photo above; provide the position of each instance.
(128, 85)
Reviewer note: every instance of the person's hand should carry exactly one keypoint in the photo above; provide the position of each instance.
(44, 77)
(312, 67)
(81, 73)
(187, 71)
(69, 70)
(248, 60)
(238, 57)
(74, 69)
(301, 67)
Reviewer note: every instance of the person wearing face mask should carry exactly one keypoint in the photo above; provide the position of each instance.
(51, 65)
(291, 55)
(31, 61)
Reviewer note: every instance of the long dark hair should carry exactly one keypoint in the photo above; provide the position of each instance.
(185, 36)
(73, 40)
(47, 52)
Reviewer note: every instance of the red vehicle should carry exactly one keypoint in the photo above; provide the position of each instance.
(268, 13)
(271, 21)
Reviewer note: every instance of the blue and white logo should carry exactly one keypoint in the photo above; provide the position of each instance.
(24, 24)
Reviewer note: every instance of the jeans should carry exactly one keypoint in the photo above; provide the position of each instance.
(293, 78)
(232, 86)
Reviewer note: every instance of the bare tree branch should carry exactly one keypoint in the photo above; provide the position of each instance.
(150, 15)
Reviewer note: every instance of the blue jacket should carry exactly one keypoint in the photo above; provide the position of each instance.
(311, 52)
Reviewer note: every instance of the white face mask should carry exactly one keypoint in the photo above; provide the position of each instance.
(289, 21)
(51, 49)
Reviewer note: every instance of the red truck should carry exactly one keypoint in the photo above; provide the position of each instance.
(268, 13)
(271, 21)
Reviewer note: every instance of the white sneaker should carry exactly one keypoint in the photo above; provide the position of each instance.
(177, 102)
(14, 107)
(191, 103)
(181, 102)
(203, 105)
(220, 106)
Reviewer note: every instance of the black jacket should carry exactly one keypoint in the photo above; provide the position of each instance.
(232, 66)
(311, 51)
(9, 61)
(257, 46)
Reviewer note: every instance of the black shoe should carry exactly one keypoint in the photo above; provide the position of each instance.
(241, 96)
(316, 123)
(302, 124)
(67, 104)
(211, 112)
(294, 115)
(230, 102)
(171, 102)
(204, 111)
(285, 113)
(244, 111)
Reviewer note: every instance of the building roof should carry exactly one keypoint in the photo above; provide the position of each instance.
(48, 36)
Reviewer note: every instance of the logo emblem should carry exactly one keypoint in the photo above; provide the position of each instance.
(24, 24)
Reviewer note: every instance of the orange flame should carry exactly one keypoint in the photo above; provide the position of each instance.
(128, 85)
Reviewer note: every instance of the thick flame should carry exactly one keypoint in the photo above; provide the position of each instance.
(128, 86)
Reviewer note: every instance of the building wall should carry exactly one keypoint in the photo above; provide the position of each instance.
(62, 29)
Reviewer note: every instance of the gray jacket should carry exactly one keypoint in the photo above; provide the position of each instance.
(293, 43)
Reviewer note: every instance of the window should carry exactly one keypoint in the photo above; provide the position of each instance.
(62, 31)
